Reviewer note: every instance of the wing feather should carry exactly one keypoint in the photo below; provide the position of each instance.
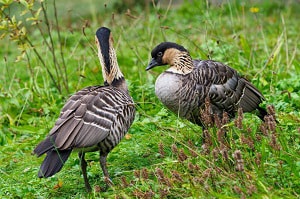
(227, 90)
(85, 120)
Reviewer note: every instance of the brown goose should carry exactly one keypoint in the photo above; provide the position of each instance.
(187, 83)
(93, 119)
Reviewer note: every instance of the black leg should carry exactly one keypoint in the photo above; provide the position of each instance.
(104, 169)
(83, 168)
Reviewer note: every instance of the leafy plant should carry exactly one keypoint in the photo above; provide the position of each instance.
(162, 156)
(20, 29)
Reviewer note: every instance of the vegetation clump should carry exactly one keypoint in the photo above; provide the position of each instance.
(48, 53)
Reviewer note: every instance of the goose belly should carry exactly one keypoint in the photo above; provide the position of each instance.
(171, 91)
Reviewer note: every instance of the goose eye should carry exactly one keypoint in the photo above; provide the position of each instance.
(159, 54)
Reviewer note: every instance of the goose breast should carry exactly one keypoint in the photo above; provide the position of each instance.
(177, 94)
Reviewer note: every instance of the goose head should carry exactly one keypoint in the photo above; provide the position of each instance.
(107, 56)
(172, 54)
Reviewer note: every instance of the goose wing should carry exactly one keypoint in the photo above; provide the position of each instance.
(86, 119)
(226, 89)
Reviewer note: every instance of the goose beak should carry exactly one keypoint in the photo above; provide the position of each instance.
(152, 64)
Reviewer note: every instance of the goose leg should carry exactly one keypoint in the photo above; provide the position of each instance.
(83, 168)
(104, 169)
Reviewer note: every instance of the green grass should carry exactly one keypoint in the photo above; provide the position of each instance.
(263, 46)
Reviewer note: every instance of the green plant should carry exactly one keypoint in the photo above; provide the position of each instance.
(19, 21)
(163, 155)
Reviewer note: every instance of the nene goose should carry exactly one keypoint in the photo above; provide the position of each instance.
(187, 84)
(93, 119)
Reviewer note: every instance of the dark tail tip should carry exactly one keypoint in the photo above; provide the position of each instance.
(45, 146)
(263, 112)
(53, 162)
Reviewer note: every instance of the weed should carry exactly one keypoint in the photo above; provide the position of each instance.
(164, 156)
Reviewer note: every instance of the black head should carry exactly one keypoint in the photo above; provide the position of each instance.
(103, 33)
(158, 53)
(102, 38)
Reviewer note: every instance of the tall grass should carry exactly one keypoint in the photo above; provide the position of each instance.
(163, 156)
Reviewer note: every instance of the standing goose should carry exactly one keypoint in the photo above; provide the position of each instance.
(93, 119)
(187, 83)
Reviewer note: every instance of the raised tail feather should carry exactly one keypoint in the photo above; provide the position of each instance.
(55, 158)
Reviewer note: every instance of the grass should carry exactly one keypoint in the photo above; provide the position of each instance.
(163, 156)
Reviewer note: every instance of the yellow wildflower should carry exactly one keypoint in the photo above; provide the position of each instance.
(254, 9)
